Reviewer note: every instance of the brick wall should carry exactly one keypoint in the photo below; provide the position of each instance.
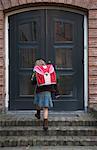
(6, 4)
(90, 5)
(93, 54)
(2, 76)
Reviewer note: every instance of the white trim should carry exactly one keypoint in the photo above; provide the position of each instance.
(85, 63)
(6, 63)
(85, 49)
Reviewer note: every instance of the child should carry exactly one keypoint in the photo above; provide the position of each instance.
(43, 97)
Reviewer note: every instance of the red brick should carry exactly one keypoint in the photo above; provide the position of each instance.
(1, 44)
(1, 90)
(39, 1)
(14, 2)
(93, 99)
(92, 14)
(93, 4)
(93, 1)
(1, 81)
(1, 53)
(1, 25)
(91, 64)
(93, 59)
(6, 4)
(1, 34)
(93, 89)
(70, 1)
(83, 3)
(93, 71)
(29, 1)
(22, 2)
(93, 42)
(1, 72)
(1, 15)
(1, 7)
(92, 51)
(92, 33)
(64, 1)
(92, 80)
(93, 23)
(1, 62)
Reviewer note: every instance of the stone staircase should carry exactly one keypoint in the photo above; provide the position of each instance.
(65, 129)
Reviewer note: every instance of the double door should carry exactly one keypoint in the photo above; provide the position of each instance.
(53, 35)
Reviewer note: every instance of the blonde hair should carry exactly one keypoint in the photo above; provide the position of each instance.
(40, 62)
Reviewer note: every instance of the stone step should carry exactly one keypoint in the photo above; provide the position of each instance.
(51, 148)
(48, 140)
(64, 130)
(53, 122)
(55, 119)
(52, 131)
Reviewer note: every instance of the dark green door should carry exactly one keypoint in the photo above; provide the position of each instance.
(56, 36)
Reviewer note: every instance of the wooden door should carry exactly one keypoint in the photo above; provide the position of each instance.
(56, 36)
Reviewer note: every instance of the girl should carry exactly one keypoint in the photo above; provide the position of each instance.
(43, 97)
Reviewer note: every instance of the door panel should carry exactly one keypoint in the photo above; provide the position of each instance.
(63, 58)
(28, 31)
(65, 41)
(63, 31)
(28, 46)
(52, 35)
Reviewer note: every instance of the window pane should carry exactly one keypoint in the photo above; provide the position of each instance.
(63, 31)
(27, 57)
(25, 85)
(27, 32)
(63, 58)
(65, 85)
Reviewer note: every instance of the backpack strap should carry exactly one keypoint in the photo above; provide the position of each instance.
(39, 70)
(42, 69)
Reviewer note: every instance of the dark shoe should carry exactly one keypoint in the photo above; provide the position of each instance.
(45, 124)
(37, 115)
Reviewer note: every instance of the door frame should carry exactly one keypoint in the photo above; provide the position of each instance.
(85, 26)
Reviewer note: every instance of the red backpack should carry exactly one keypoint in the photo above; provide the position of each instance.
(45, 75)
